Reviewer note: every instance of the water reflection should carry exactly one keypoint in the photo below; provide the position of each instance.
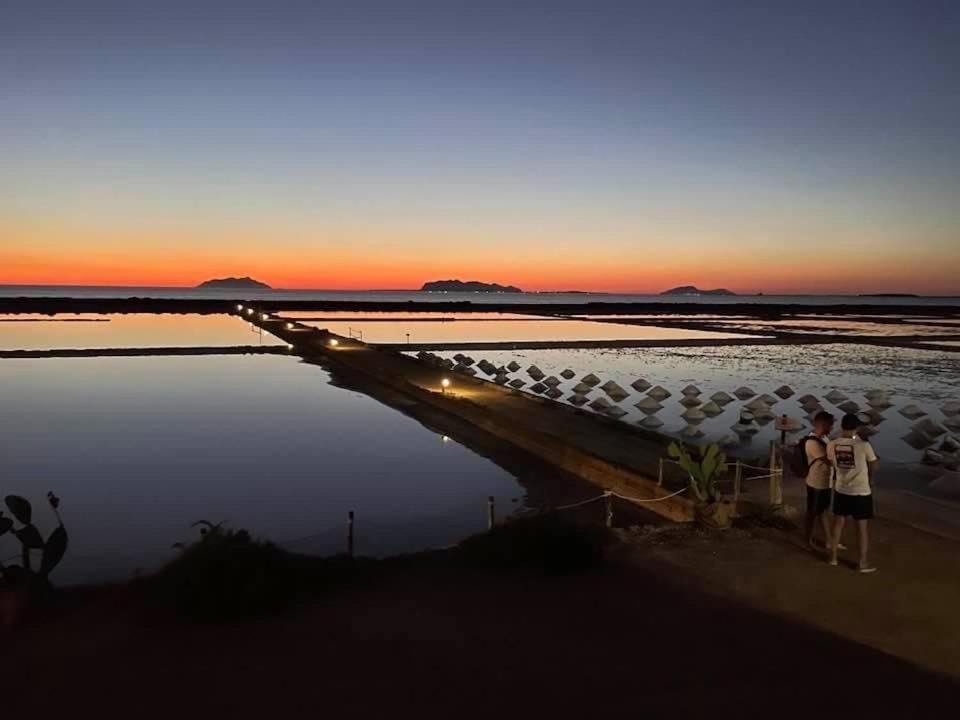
(126, 330)
(138, 448)
(509, 331)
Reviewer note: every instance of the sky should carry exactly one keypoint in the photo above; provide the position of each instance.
(606, 146)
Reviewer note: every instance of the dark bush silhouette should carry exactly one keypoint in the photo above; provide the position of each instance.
(228, 575)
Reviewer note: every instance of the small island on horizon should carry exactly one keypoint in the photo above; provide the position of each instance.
(233, 283)
(467, 286)
(693, 290)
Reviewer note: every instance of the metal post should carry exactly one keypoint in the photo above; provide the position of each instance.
(350, 533)
(608, 509)
(491, 516)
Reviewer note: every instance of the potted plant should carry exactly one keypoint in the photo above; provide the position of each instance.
(21, 583)
(711, 510)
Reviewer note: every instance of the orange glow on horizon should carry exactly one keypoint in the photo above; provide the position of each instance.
(367, 261)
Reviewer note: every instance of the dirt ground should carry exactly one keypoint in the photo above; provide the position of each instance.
(638, 638)
(909, 608)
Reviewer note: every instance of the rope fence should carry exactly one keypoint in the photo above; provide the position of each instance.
(773, 473)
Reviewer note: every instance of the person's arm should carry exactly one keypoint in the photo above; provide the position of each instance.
(873, 462)
(831, 454)
(816, 452)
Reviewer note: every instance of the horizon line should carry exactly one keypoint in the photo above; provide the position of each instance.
(522, 292)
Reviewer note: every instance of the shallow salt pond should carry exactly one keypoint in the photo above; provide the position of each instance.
(459, 331)
(80, 331)
(139, 448)
(925, 378)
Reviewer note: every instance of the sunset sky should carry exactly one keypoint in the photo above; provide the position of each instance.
(610, 146)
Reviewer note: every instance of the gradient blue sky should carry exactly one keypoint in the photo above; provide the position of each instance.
(601, 145)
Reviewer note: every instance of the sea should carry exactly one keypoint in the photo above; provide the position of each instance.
(532, 298)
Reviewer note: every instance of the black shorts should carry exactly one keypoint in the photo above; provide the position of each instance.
(818, 501)
(859, 507)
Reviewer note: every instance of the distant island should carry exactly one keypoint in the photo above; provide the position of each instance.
(692, 290)
(232, 283)
(467, 286)
(888, 295)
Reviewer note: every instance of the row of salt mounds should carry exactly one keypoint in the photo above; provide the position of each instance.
(760, 408)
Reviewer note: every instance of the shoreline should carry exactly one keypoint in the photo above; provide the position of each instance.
(52, 305)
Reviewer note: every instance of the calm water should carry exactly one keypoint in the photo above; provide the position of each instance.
(922, 377)
(414, 296)
(138, 448)
(507, 331)
(41, 332)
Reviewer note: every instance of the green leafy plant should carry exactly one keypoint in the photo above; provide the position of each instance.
(702, 473)
(51, 550)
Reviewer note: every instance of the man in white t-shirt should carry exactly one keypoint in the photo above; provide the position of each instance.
(853, 460)
(819, 472)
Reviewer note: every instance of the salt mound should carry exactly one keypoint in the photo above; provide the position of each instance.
(651, 422)
(694, 415)
(538, 388)
(757, 404)
(769, 399)
(784, 392)
(551, 381)
(721, 398)
(807, 399)
(950, 408)
(929, 428)
(849, 406)
(950, 444)
(615, 412)
(711, 409)
(501, 379)
(590, 379)
(912, 412)
(513, 366)
(835, 396)
(744, 393)
(953, 422)
(577, 399)
(568, 374)
(691, 390)
(582, 388)
(600, 403)
(648, 405)
(614, 391)
(658, 393)
(690, 401)
(517, 383)
(535, 372)
(916, 440)
(553, 393)
(640, 385)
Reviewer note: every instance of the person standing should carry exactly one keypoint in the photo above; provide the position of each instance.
(854, 462)
(818, 477)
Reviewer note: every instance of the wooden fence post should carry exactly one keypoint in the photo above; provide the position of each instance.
(737, 481)
(776, 479)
